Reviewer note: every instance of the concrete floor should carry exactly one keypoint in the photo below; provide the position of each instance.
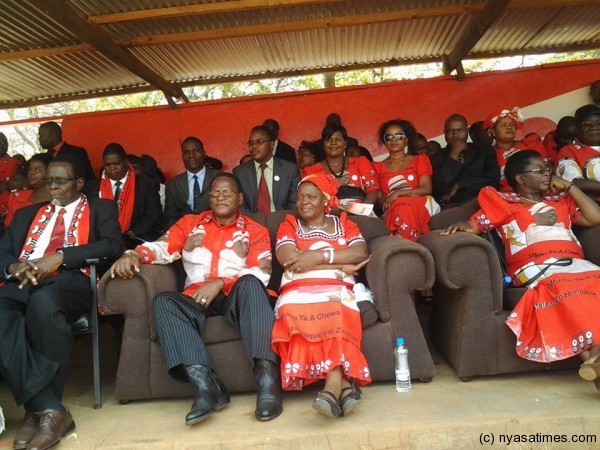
(444, 414)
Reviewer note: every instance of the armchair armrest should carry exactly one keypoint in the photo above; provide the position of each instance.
(133, 297)
(397, 266)
(467, 261)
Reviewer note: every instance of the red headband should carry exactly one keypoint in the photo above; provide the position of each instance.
(514, 114)
(327, 185)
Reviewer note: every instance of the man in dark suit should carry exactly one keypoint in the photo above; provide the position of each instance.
(462, 168)
(50, 137)
(45, 291)
(269, 184)
(137, 196)
(187, 193)
(280, 149)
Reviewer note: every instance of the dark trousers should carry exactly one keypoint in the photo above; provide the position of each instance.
(35, 332)
(180, 322)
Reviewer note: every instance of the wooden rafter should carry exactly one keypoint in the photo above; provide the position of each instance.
(63, 14)
(204, 8)
(494, 9)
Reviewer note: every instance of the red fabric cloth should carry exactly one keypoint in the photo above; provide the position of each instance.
(314, 331)
(327, 185)
(17, 200)
(409, 215)
(582, 159)
(264, 198)
(361, 171)
(559, 314)
(532, 141)
(126, 198)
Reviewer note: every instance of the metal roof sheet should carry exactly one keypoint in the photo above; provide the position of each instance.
(52, 54)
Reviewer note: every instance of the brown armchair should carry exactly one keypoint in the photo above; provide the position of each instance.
(471, 304)
(396, 270)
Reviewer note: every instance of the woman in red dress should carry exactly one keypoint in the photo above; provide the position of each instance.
(36, 171)
(502, 126)
(355, 177)
(405, 182)
(559, 315)
(317, 331)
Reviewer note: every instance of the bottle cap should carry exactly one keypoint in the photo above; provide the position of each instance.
(399, 341)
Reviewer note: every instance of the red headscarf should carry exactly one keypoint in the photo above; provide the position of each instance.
(327, 185)
(514, 114)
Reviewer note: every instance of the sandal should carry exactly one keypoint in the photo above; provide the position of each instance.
(326, 403)
(349, 402)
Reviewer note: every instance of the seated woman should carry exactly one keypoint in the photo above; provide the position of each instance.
(502, 126)
(308, 154)
(559, 315)
(36, 171)
(405, 181)
(355, 176)
(317, 331)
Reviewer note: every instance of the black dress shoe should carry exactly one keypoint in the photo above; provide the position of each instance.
(211, 393)
(27, 431)
(268, 399)
(53, 425)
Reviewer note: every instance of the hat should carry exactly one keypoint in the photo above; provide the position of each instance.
(327, 185)
(586, 111)
(514, 114)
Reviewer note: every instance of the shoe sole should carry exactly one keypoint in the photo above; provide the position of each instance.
(324, 408)
(267, 418)
(350, 406)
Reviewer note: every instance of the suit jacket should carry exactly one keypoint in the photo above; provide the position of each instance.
(285, 151)
(176, 197)
(81, 154)
(147, 216)
(479, 169)
(285, 189)
(104, 242)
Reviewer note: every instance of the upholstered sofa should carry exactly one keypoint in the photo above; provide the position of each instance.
(397, 269)
(471, 304)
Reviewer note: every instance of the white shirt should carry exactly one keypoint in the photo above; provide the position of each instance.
(113, 183)
(44, 239)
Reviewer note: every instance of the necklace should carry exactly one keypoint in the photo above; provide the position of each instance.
(337, 175)
(316, 227)
(532, 202)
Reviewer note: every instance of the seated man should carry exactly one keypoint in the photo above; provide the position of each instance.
(187, 192)
(227, 260)
(462, 168)
(269, 184)
(137, 196)
(45, 291)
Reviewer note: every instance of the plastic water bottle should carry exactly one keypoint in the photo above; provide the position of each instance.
(402, 370)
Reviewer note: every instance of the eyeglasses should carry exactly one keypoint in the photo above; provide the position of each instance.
(590, 123)
(539, 170)
(58, 181)
(258, 142)
(225, 193)
(392, 136)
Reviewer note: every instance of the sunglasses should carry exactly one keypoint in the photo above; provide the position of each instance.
(392, 136)
(58, 181)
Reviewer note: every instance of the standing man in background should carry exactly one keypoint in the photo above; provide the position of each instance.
(280, 149)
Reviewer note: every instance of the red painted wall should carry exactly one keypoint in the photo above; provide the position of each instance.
(224, 125)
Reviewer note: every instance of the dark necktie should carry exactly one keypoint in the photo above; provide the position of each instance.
(264, 198)
(57, 238)
(117, 190)
(196, 194)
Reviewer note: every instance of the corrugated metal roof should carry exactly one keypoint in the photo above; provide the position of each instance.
(50, 56)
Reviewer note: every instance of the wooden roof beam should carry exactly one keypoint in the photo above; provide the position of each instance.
(494, 9)
(205, 8)
(62, 13)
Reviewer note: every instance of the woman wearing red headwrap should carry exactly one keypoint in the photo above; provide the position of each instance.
(317, 331)
(503, 125)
